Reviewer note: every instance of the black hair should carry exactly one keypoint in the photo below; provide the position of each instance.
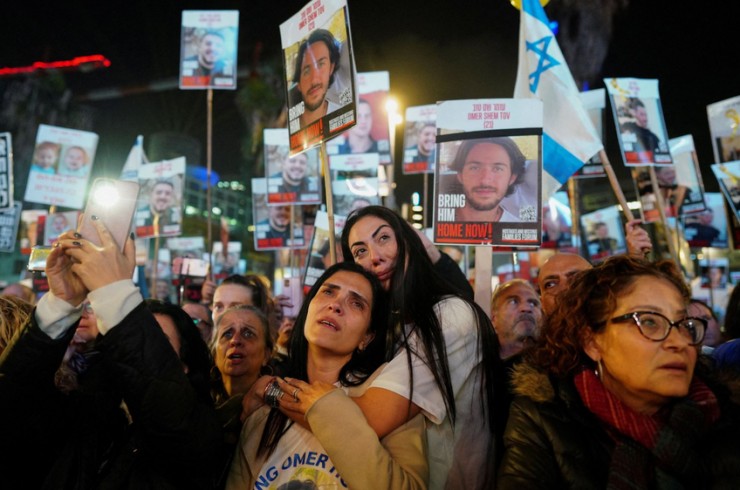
(194, 352)
(518, 161)
(361, 365)
(415, 290)
(326, 37)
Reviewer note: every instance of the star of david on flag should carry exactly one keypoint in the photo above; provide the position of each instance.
(569, 138)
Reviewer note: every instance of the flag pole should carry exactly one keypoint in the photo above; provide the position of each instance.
(615, 185)
(575, 227)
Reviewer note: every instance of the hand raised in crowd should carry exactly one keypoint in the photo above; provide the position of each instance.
(64, 283)
(207, 290)
(638, 240)
(99, 266)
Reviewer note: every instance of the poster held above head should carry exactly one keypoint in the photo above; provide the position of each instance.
(9, 220)
(594, 102)
(159, 212)
(603, 233)
(557, 222)
(638, 117)
(370, 134)
(728, 177)
(724, 127)
(6, 171)
(487, 181)
(319, 73)
(290, 180)
(419, 140)
(682, 179)
(708, 228)
(319, 257)
(62, 160)
(208, 47)
(272, 223)
(354, 182)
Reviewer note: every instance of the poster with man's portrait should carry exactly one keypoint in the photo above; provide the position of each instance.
(208, 46)
(290, 180)
(594, 101)
(420, 140)
(488, 177)
(724, 127)
(159, 207)
(638, 117)
(603, 233)
(6, 171)
(60, 167)
(354, 182)
(728, 177)
(685, 192)
(319, 73)
(714, 273)
(557, 222)
(228, 263)
(275, 225)
(370, 134)
(708, 228)
(319, 256)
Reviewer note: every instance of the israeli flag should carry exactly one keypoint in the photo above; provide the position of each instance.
(569, 138)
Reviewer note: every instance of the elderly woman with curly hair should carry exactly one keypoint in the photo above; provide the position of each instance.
(614, 394)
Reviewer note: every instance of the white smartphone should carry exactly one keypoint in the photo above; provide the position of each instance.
(114, 203)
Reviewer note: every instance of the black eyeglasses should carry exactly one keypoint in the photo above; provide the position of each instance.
(656, 327)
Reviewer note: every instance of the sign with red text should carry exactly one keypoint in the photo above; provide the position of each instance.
(370, 134)
(638, 117)
(488, 177)
(159, 207)
(419, 140)
(354, 182)
(290, 180)
(319, 73)
(208, 46)
(60, 170)
(277, 225)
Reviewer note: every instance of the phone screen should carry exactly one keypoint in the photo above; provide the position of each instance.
(113, 202)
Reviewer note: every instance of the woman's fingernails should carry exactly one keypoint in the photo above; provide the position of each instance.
(77, 235)
(94, 217)
(77, 244)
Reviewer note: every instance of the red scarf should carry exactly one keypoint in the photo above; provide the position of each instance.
(642, 428)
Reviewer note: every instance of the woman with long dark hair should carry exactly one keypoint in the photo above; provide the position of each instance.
(337, 343)
(442, 349)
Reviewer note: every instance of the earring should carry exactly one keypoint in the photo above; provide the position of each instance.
(599, 369)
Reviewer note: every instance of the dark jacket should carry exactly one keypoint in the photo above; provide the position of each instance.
(84, 440)
(553, 441)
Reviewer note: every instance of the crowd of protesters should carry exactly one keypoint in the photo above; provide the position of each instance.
(600, 375)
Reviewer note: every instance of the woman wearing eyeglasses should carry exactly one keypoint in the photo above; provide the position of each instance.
(613, 394)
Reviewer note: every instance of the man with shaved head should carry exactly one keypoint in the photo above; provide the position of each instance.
(557, 271)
